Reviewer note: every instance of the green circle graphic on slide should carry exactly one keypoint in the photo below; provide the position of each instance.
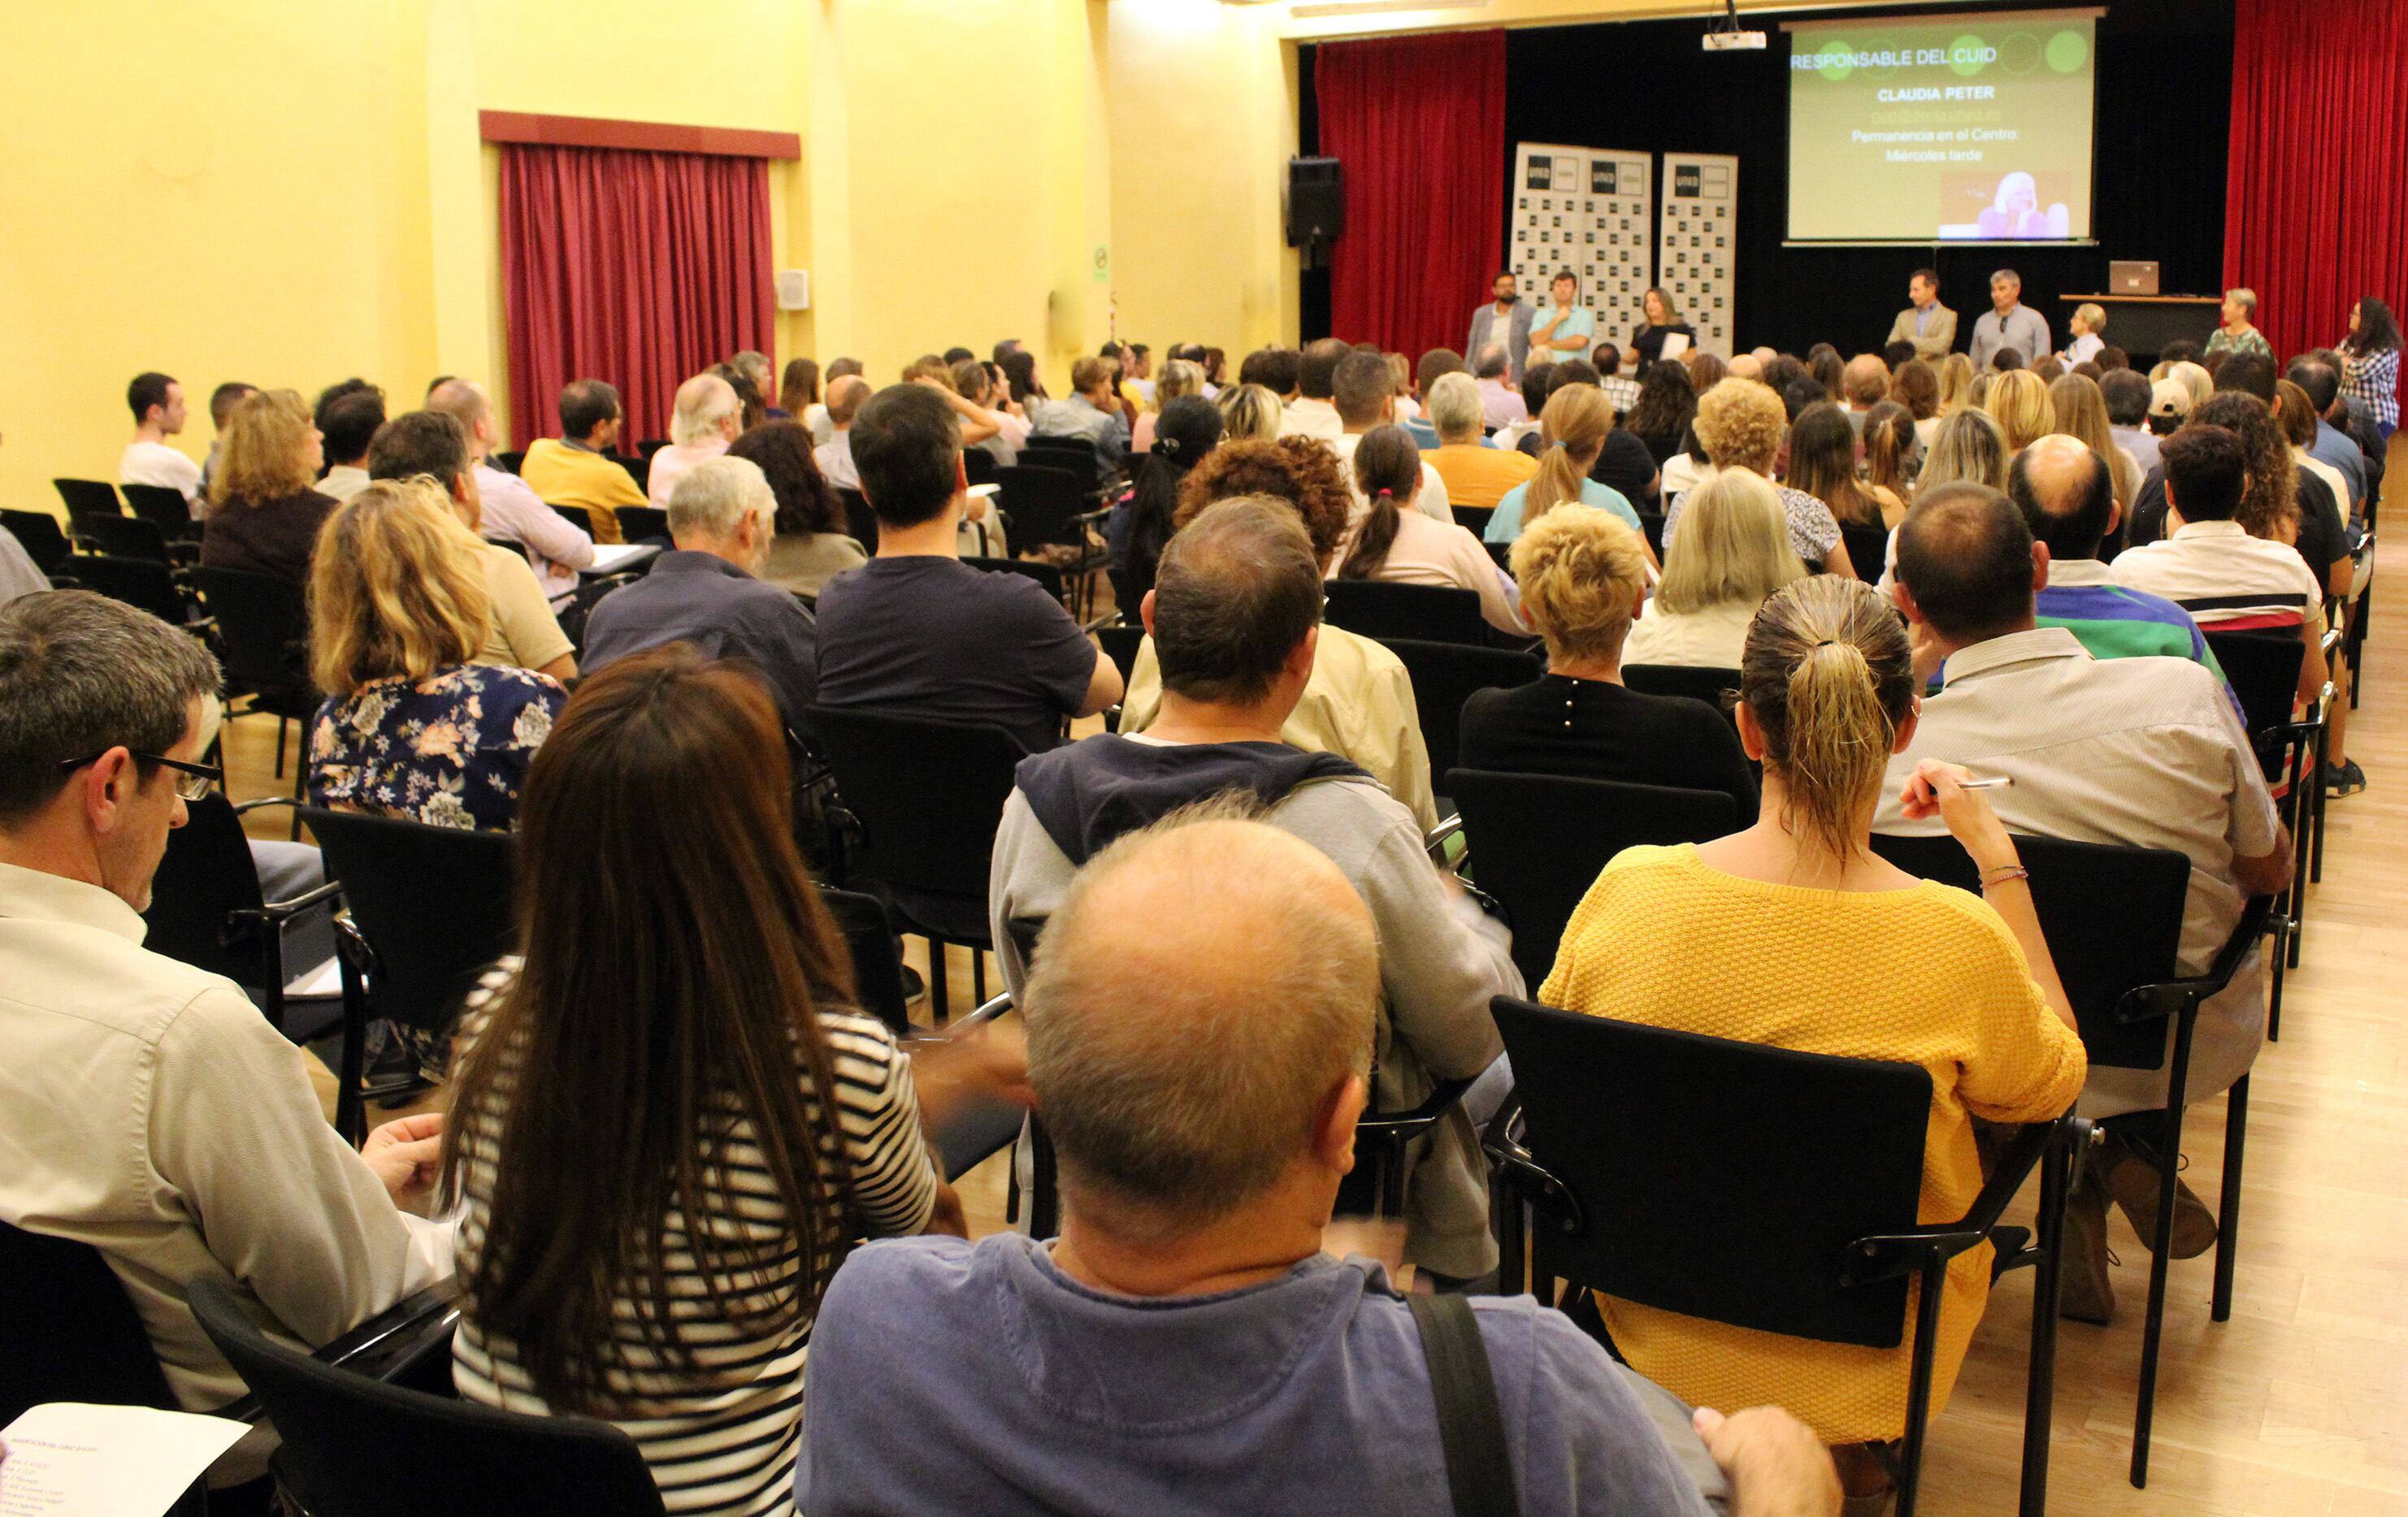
(2068, 51)
(2019, 53)
(1965, 54)
(1834, 60)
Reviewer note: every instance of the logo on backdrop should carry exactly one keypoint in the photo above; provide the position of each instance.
(1687, 180)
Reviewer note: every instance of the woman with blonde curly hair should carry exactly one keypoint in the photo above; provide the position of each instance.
(2018, 401)
(265, 511)
(1740, 424)
(1359, 701)
(1582, 576)
(410, 727)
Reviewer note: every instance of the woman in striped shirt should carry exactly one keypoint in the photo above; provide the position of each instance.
(668, 1126)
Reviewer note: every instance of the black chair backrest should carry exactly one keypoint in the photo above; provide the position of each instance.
(1121, 644)
(357, 1446)
(877, 972)
(578, 517)
(1428, 613)
(639, 467)
(508, 462)
(435, 903)
(647, 447)
(1652, 524)
(1661, 1139)
(67, 1330)
(1445, 675)
(124, 537)
(1076, 455)
(88, 497)
(1867, 546)
(929, 794)
(144, 583)
(1044, 574)
(1715, 687)
(859, 520)
(638, 522)
(1538, 842)
(203, 878)
(2112, 917)
(514, 546)
(1041, 499)
(263, 623)
(1501, 555)
(39, 533)
(2263, 668)
(1472, 519)
(164, 507)
(977, 465)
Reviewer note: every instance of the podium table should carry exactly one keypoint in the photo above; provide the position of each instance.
(2144, 324)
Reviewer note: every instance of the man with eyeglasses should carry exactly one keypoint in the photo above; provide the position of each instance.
(146, 1107)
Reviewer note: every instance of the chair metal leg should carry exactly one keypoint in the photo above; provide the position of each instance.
(2274, 997)
(1932, 1285)
(351, 1107)
(937, 988)
(1044, 1194)
(2303, 802)
(281, 725)
(2227, 1202)
(2039, 1386)
(978, 972)
(2152, 1327)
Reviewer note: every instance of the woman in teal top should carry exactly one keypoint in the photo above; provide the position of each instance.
(1562, 327)
(1571, 433)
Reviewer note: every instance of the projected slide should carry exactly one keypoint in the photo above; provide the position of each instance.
(1954, 128)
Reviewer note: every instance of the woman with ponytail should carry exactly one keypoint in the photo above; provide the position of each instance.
(1793, 932)
(1403, 546)
(1571, 433)
(1185, 430)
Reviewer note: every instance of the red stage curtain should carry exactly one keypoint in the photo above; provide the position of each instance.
(2314, 215)
(1417, 125)
(641, 268)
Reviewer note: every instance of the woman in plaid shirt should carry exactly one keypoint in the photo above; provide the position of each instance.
(2371, 362)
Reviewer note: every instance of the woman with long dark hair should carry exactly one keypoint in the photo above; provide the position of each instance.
(2369, 361)
(1823, 464)
(812, 546)
(1187, 429)
(798, 389)
(671, 1122)
(1666, 404)
(1388, 540)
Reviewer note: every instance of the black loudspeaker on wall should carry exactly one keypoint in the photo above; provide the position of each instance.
(1316, 202)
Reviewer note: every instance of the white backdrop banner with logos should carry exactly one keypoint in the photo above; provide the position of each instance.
(1588, 210)
(1694, 258)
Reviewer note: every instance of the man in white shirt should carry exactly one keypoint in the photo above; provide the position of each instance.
(705, 421)
(1500, 404)
(2008, 323)
(555, 549)
(158, 405)
(1313, 413)
(146, 1107)
(2144, 751)
(347, 418)
(1366, 398)
(835, 456)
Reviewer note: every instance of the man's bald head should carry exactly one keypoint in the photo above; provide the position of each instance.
(1746, 367)
(466, 403)
(1200, 1001)
(1865, 380)
(1964, 558)
(1237, 593)
(844, 399)
(705, 403)
(2067, 494)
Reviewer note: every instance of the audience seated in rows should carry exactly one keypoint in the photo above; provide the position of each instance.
(2341, 467)
(508, 508)
(147, 1108)
(1969, 448)
(1736, 552)
(706, 594)
(1180, 378)
(265, 509)
(1234, 618)
(157, 402)
(671, 1121)
(575, 468)
(1366, 398)
(1739, 424)
(706, 418)
(1474, 475)
(1928, 974)
(1213, 1357)
(524, 630)
(1187, 430)
(1358, 703)
(1311, 411)
(1392, 541)
(1582, 577)
(1573, 430)
(2139, 751)
(1823, 447)
(814, 542)
(1090, 411)
(346, 419)
(1500, 403)
(413, 725)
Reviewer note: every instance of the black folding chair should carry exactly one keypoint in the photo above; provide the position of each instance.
(1717, 688)
(979, 466)
(143, 584)
(1049, 507)
(925, 797)
(643, 523)
(88, 497)
(67, 1330)
(2120, 973)
(639, 467)
(1641, 1153)
(39, 533)
(2263, 668)
(1445, 675)
(1120, 643)
(860, 521)
(1473, 519)
(508, 462)
(427, 911)
(1384, 609)
(165, 508)
(1867, 546)
(1537, 842)
(206, 908)
(576, 516)
(130, 536)
(647, 447)
(1076, 455)
(357, 1446)
(264, 629)
(1046, 575)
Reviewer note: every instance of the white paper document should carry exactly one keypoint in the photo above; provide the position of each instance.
(611, 557)
(323, 982)
(1675, 344)
(94, 1461)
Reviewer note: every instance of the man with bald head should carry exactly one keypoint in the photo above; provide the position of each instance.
(1865, 382)
(1235, 616)
(513, 511)
(2139, 751)
(707, 418)
(1201, 1022)
(845, 396)
(2067, 494)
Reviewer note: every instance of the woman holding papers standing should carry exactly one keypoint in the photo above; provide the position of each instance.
(1662, 321)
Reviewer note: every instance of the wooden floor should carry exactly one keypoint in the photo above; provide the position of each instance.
(2297, 1407)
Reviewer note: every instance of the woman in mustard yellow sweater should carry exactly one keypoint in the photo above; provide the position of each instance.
(1794, 934)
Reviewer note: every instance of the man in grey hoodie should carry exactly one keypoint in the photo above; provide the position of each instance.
(1235, 615)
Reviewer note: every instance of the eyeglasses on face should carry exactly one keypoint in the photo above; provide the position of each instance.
(193, 782)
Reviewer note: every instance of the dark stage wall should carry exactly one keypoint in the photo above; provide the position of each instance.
(2165, 77)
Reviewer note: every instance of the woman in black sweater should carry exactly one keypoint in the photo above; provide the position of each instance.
(1583, 575)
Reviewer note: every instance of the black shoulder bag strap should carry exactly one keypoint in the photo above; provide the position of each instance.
(1470, 1428)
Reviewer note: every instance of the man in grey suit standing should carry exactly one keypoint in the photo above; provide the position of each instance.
(1504, 320)
(1926, 323)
